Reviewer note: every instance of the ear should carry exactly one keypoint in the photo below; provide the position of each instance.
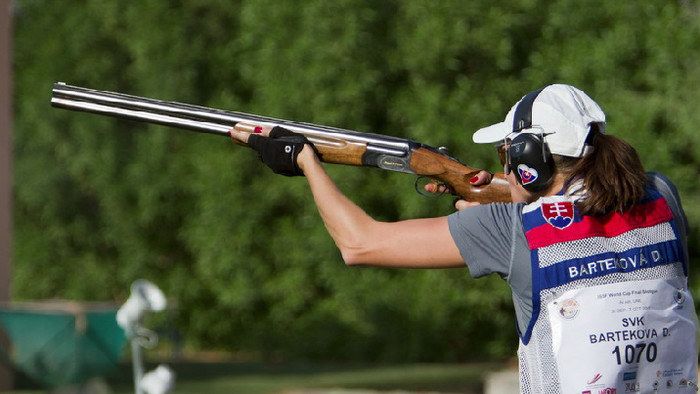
(531, 161)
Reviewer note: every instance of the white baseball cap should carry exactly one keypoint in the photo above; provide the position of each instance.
(562, 113)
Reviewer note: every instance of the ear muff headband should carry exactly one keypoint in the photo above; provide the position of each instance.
(523, 112)
(528, 155)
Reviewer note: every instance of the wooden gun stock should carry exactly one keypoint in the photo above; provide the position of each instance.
(435, 165)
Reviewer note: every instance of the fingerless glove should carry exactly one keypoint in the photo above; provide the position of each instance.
(279, 151)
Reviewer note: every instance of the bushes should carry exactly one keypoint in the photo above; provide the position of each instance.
(101, 202)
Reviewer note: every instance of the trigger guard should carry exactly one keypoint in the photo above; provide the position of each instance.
(423, 193)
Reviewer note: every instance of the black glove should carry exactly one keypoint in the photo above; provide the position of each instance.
(279, 151)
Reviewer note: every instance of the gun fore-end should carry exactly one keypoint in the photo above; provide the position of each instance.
(350, 153)
(394, 157)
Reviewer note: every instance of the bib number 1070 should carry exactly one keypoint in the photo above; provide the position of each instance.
(631, 354)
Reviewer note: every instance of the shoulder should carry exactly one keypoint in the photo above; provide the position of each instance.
(495, 221)
(664, 185)
(485, 235)
(668, 190)
(495, 213)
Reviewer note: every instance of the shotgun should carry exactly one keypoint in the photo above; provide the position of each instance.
(333, 145)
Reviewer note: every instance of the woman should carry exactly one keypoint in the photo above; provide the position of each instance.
(592, 247)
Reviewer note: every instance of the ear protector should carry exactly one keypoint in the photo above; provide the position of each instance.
(528, 155)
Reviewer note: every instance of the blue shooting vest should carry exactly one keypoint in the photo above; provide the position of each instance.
(611, 308)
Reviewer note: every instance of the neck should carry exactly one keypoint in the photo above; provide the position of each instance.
(557, 185)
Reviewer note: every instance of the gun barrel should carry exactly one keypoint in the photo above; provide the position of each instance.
(336, 145)
(150, 117)
(204, 119)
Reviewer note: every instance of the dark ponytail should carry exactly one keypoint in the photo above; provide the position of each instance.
(613, 176)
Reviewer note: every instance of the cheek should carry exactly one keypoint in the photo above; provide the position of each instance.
(517, 192)
(511, 179)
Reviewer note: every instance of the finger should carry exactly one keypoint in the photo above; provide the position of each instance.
(464, 204)
(239, 136)
(263, 130)
(481, 178)
(436, 188)
(253, 128)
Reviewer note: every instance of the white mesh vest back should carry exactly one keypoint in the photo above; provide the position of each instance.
(612, 311)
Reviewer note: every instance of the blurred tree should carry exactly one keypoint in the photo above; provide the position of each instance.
(102, 202)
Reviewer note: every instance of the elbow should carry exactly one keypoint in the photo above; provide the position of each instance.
(364, 248)
(355, 256)
(351, 257)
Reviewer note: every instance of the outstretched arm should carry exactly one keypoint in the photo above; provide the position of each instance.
(418, 243)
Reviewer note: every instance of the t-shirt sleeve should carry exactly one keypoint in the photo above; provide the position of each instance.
(673, 199)
(483, 235)
(669, 191)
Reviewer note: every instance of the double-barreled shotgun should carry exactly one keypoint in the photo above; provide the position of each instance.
(334, 145)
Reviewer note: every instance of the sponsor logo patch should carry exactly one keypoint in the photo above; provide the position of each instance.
(568, 310)
(595, 378)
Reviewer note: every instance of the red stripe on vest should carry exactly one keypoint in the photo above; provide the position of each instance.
(610, 225)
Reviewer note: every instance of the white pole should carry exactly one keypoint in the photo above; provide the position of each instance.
(137, 361)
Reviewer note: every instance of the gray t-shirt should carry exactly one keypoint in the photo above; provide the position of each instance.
(491, 239)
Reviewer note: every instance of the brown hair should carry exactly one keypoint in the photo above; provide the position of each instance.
(613, 176)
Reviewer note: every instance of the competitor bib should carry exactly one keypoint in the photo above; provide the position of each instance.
(625, 338)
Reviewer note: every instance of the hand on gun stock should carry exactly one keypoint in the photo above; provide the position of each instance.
(481, 178)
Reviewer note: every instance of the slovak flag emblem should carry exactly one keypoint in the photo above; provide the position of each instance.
(558, 214)
(527, 174)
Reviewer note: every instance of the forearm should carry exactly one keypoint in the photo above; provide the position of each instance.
(346, 222)
(419, 243)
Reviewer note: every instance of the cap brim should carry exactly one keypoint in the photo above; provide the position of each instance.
(494, 133)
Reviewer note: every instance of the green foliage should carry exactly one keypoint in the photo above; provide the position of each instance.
(101, 202)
